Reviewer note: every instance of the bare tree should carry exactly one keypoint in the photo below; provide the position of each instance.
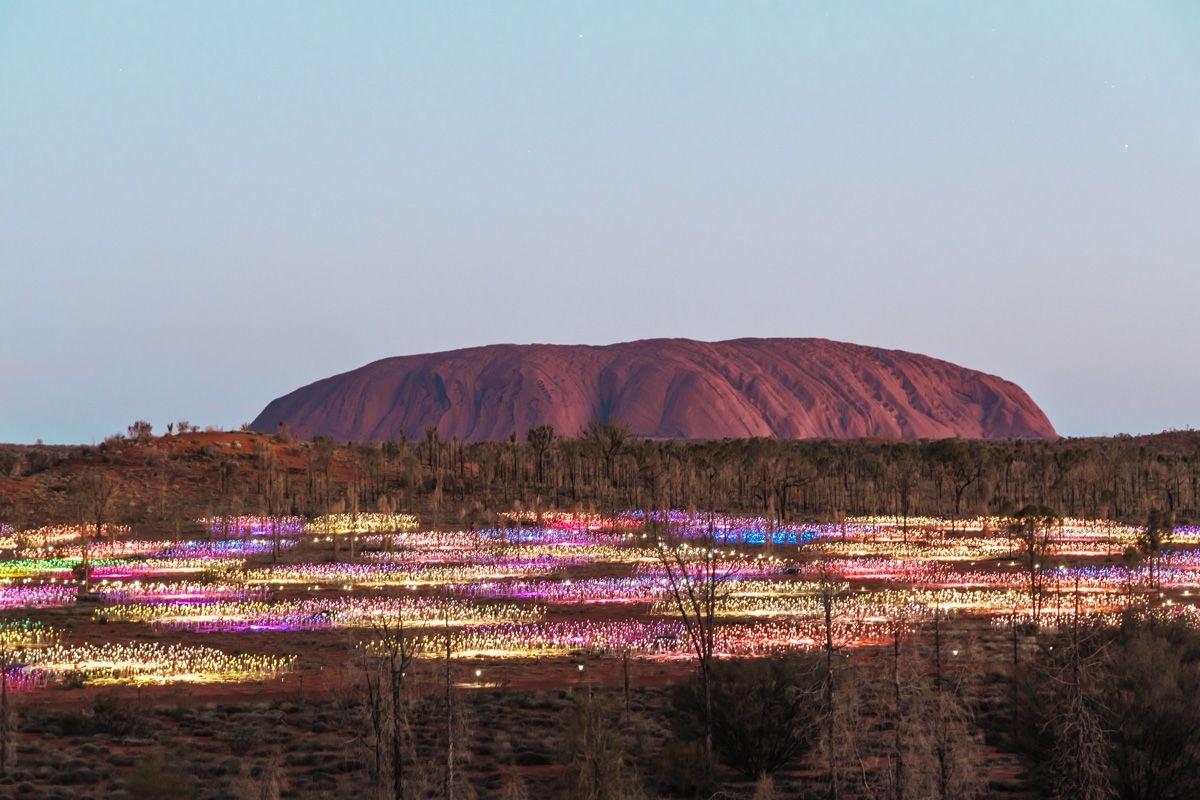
(1080, 763)
(900, 628)
(455, 785)
(1032, 528)
(829, 590)
(541, 439)
(905, 471)
(608, 440)
(950, 764)
(93, 495)
(387, 660)
(697, 581)
(598, 765)
(6, 738)
(1151, 540)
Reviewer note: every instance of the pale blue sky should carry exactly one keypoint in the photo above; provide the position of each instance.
(205, 205)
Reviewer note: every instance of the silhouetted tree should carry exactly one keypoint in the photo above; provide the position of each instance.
(541, 439)
(93, 492)
(1032, 529)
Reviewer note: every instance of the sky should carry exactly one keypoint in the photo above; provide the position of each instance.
(205, 205)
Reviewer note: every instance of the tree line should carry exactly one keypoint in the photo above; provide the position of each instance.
(606, 469)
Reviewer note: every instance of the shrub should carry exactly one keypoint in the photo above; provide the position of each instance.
(765, 711)
(158, 778)
(112, 717)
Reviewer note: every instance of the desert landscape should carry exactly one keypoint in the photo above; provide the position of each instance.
(217, 614)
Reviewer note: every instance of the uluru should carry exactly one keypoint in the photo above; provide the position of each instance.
(666, 388)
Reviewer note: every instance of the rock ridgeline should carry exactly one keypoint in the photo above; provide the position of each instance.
(669, 388)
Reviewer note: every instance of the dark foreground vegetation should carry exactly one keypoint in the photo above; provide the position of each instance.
(1093, 713)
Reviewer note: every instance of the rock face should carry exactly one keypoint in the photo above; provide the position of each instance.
(678, 388)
